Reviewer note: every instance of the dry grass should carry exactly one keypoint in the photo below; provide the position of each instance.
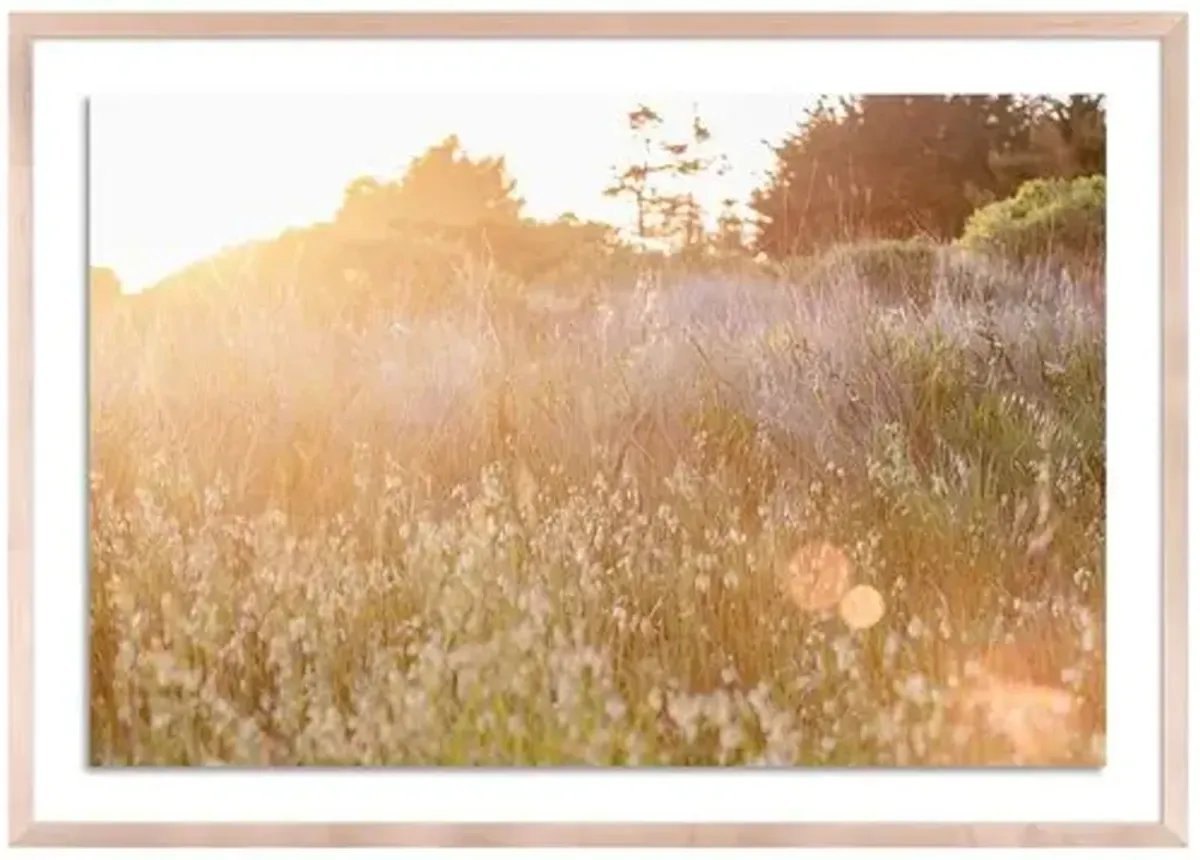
(448, 546)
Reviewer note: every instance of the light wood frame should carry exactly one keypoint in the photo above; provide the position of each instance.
(1169, 29)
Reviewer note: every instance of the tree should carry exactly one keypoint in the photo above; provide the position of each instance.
(886, 167)
(730, 236)
(1073, 133)
(1065, 137)
(404, 239)
(811, 198)
(448, 230)
(634, 180)
(657, 180)
(442, 190)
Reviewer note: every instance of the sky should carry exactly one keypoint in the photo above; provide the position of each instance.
(172, 181)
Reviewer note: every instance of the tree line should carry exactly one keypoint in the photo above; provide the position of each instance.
(896, 167)
(854, 167)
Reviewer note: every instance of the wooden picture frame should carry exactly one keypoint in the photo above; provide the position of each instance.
(1169, 30)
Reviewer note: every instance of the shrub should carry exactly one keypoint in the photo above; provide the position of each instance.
(889, 270)
(1058, 220)
(964, 275)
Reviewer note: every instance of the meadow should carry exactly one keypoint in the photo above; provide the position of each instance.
(755, 515)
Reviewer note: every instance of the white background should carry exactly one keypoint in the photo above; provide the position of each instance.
(1133, 454)
(66, 72)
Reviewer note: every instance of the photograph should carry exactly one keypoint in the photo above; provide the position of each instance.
(680, 430)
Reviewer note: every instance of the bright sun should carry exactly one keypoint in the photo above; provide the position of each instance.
(174, 180)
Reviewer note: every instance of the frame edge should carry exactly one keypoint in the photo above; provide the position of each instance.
(1169, 28)
(588, 835)
(21, 825)
(603, 25)
(1174, 47)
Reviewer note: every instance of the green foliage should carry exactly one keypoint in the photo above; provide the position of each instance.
(884, 167)
(972, 406)
(1045, 218)
(898, 166)
(1067, 137)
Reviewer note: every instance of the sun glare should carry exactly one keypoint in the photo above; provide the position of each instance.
(173, 181)
(559, 432)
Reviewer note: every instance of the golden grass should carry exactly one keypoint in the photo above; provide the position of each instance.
(296, 560)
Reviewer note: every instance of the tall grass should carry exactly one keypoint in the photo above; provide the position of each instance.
(453, 542)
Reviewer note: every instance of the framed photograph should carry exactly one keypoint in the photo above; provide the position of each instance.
(597, 429)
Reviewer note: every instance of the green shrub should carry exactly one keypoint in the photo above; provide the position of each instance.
(1056, 219)
(910, 272)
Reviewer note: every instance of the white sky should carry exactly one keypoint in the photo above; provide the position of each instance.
(173, 180)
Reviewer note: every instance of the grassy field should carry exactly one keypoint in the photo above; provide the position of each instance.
(614, 535)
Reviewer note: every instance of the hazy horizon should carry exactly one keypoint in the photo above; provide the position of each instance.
(175, 180)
